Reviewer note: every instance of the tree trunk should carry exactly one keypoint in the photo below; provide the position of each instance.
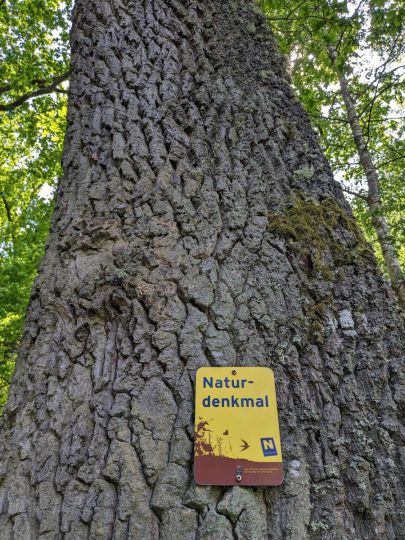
(197, 224)
(378, 219)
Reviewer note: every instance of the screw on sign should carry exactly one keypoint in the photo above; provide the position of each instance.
(239, 472)
(237, 436)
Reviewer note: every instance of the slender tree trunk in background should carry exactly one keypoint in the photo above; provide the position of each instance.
(197, 223)
(374, 198)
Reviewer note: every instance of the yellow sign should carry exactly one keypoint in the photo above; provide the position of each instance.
(237, 436)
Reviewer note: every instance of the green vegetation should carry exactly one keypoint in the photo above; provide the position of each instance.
(33, 59)
(366, 37)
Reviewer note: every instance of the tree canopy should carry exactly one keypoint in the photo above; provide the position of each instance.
(367, 37)
(34, 71)
(34, 58)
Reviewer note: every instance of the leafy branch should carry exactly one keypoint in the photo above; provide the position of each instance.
(47, 89)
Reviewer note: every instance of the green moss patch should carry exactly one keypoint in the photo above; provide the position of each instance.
(323, 235)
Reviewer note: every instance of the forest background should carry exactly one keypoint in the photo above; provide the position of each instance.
(344, 58)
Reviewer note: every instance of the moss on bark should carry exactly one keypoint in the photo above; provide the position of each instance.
(321, 231)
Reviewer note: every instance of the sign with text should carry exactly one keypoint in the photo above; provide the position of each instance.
(237, 436)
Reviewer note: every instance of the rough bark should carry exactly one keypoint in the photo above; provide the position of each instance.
(197, 223)
(375, 206)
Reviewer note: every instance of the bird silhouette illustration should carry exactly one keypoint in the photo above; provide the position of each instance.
(245, 445)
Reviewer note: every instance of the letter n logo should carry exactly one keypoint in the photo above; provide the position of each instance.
(269, 447)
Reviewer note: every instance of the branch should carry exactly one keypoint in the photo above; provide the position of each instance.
(53, 87)
(377, 94)
(293, 10)
(9, 216)
(389, 161)
(390, 56)
(355, 194)
(387, 118)
(7, 207)
(5, 88)
(341, 120)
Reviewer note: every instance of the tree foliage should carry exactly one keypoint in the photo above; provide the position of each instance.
(367, 36)
(34, 57)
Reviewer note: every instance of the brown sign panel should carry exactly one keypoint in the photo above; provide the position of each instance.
(237, 436)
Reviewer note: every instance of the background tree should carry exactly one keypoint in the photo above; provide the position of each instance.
(345, 62)
(197, 223)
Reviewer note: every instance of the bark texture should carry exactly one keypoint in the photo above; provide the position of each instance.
(197, 223)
